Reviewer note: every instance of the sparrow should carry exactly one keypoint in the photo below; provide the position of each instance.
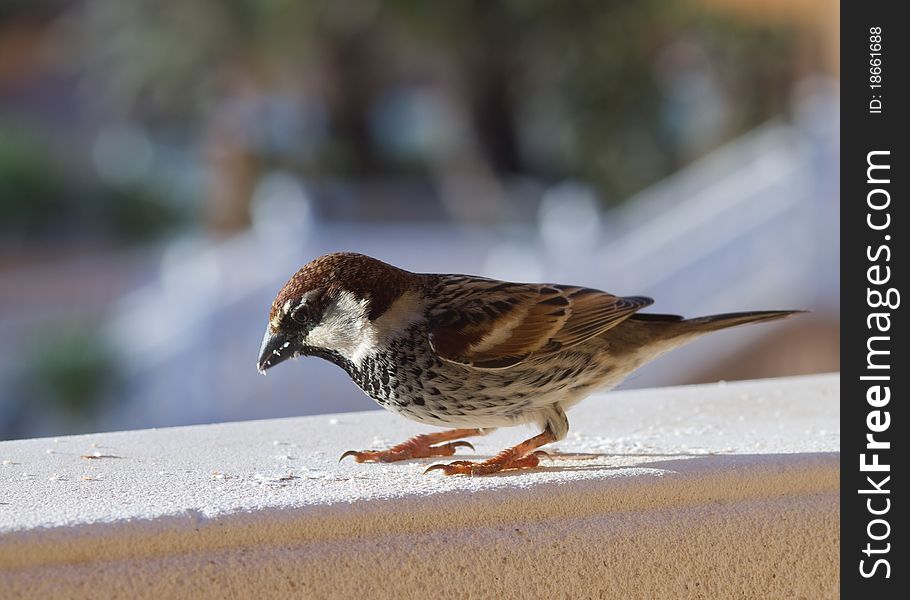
(468, 353)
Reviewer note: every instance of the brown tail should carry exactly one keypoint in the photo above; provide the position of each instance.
(710, 323)
(715, 322)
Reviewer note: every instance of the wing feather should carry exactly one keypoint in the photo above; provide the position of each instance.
(493, 324)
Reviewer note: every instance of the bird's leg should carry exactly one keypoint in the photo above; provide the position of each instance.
(420, 446)
(522, 456)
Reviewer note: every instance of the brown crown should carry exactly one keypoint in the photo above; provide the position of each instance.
(365, 277)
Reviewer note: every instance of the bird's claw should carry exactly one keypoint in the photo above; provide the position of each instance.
(358, 456)
(458, 467)
(436, 467)
(459, 444)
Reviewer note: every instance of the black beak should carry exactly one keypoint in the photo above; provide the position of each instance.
(276, 348)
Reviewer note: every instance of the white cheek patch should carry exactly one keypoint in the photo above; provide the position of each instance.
(345, 328)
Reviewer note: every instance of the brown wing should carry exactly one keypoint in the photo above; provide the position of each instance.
(492, 324)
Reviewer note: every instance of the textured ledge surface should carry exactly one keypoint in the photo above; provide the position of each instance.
(725, 489)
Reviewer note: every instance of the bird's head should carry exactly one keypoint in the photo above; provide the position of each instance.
(340, 304)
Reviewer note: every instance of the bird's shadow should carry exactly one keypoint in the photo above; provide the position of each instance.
(583, 462)
(677, 462)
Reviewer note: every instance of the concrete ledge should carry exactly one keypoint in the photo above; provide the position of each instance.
(703, 491)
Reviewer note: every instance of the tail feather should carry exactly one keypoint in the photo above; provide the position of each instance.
(716, 322)
(674, 325)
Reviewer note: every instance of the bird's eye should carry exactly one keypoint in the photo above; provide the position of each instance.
(301, 315)
(307, 309)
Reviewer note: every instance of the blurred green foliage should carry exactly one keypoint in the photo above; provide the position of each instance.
(137, 213)
(172, 63)
(71, 369)
(612, 93)
(41, 195)
(31, 186)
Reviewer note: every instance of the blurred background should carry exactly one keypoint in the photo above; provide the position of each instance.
(166, 165)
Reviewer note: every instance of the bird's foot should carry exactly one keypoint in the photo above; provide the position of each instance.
(488, 467)
(392, 455)
(523, 456)
(422, 446)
